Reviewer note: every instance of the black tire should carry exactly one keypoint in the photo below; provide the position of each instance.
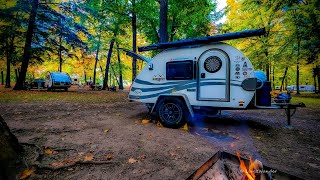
(65, 89)
(48, 88)
(172, 112)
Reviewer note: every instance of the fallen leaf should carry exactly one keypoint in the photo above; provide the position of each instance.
(132, 160)
(106, 130)
(109, 156)
(149, 136)
(25, 173)
(88, 157)
(145, 121)
(136, 122)
(49, 151)
(159, 124)
(185, 127)
(258, 137)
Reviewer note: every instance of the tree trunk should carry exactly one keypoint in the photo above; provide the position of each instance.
(2, 80)
(120, 70)
(60, 52)
(115, 78)
(283, 78)
(101, 69)
(17, 76)
(267, 66)
(84, 69)
(173, 25)
(315, 75)
(134, 41)
(105, 81)
(27, 47)
(9, 54)
(315, 83)
(273, 85)
(10, 150)
(96, 60)
(318, 83)
(8, 81)
(268, 72)
(298, 72)
(163, 21)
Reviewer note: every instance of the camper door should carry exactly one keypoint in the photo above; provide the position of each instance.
(214, 81)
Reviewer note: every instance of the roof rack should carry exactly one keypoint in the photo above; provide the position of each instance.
(204, 40)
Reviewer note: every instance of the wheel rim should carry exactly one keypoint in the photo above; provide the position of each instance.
(171, 112)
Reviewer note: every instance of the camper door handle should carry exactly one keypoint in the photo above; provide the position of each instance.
(203, 75)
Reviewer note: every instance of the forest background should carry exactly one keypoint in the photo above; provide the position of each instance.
(82, 37)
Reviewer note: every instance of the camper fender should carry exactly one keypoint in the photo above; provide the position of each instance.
(182, 97)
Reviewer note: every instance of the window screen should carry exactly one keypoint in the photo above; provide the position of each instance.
(179, 70)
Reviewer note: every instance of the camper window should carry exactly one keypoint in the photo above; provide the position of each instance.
(179, 70)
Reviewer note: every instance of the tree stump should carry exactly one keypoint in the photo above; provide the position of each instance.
(10, 151)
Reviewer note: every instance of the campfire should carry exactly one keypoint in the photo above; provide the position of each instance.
(226, 166)
(253, 172)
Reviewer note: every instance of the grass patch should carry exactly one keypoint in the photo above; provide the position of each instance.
(307, 94)
(308, 101)
(85, 96)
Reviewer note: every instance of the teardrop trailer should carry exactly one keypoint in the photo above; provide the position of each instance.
(58, 80)
(201, 75)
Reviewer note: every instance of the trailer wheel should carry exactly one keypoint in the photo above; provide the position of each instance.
(172, 112)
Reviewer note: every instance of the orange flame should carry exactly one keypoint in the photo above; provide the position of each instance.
(249, 173)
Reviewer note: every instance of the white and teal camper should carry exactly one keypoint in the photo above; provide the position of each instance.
(198, 76)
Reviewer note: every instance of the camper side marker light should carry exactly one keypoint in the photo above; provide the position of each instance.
(150, 66)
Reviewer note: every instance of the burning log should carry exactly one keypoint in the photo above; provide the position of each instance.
(223, 170)
(254, 171)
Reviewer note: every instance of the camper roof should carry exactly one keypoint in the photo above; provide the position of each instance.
(60, 76)
(204, 40)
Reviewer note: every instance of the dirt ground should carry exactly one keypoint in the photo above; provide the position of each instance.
(114, 134)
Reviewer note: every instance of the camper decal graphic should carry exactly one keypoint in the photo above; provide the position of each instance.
(138, 91)
(158, 77)
(245, 65)
(151, 90)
